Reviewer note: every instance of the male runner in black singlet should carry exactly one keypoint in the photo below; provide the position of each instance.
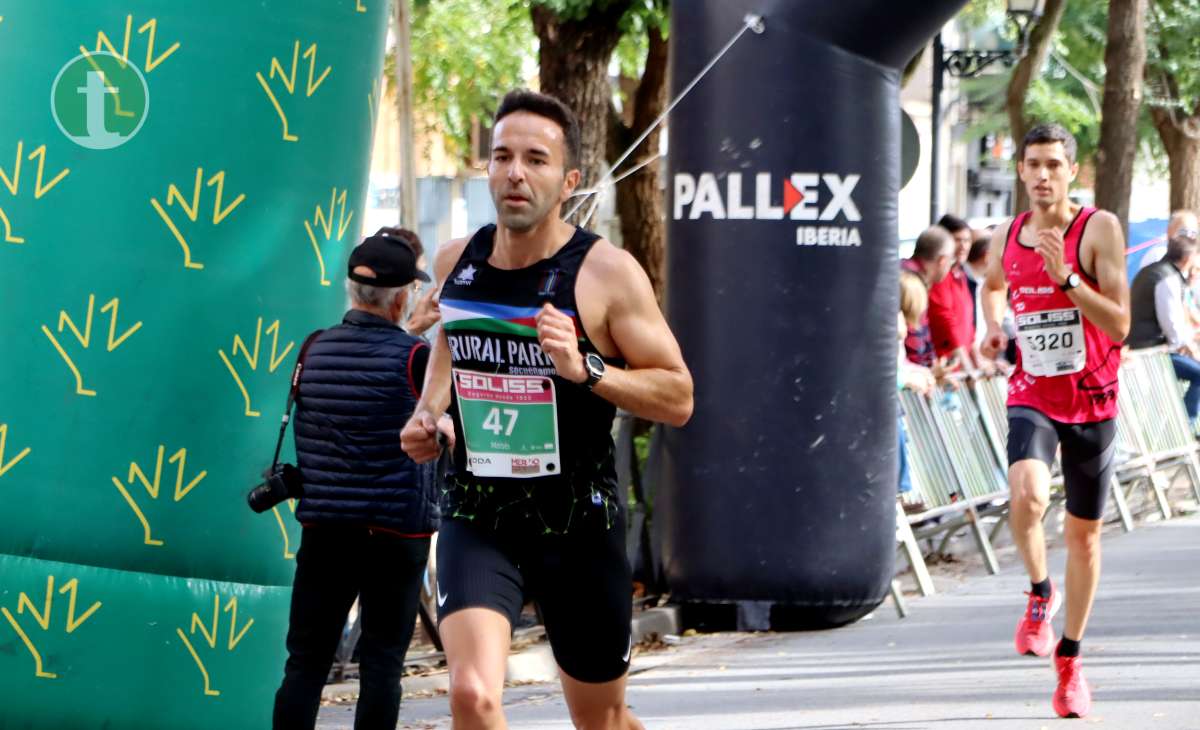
(547, 328)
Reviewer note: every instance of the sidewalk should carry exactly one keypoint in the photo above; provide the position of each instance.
(949, 665)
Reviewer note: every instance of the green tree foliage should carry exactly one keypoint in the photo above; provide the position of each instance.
(1071, 84)
(1173, 54)
(1068, 89)
(631, 51)
(1173, 92)
(465, 54)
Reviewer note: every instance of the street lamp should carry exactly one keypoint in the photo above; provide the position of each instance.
(967, 63)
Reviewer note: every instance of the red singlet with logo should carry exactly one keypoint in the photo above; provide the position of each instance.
(1066, 366)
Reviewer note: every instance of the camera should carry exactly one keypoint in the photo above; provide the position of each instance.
(282, 482)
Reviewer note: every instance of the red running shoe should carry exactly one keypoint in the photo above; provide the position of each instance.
(1073, 697)
(1035, 635)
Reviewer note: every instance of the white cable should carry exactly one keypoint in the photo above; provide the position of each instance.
(635, 168)
(613, 183)
(750, 22)
(622, 176)
(1089, 87)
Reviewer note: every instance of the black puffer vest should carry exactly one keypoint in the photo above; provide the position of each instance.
(356, 393)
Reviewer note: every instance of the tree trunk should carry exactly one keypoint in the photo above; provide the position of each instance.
(1181, 138)
(404, 110)
(1124, 61)
(1040, 38)
(573, 58)
(640, 196)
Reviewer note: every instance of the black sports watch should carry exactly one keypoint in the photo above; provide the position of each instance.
(594, 364)
(1072, 281)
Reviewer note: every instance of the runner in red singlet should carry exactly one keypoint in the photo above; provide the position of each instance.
(1062, 267)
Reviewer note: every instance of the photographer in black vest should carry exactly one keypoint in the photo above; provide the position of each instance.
(367, 510)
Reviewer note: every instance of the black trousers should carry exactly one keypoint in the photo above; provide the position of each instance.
(333, 566)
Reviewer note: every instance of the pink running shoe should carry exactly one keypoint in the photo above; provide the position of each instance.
(1073, 697)
(1035, 635)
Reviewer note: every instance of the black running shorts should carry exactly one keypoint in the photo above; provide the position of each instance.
(581, 582)
(1087, 455)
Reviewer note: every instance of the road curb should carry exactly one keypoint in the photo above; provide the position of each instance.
(662, 620)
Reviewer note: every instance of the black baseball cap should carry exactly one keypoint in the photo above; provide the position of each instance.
(392, 260)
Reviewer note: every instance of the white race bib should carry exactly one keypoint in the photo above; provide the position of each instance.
(1052, 342)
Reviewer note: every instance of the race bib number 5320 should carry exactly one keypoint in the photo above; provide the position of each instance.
(509, 423)
(1052, 342)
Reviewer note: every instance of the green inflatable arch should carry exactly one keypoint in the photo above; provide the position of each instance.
(179, 188)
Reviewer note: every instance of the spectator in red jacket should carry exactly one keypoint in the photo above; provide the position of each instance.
(951, 306)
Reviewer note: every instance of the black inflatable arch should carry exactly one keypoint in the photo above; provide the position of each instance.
(783, 182)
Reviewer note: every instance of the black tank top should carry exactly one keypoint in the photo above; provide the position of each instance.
(488, 316)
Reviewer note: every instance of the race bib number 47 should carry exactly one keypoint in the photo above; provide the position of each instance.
(509, 423)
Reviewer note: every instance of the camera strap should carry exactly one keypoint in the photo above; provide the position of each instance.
(293, 391)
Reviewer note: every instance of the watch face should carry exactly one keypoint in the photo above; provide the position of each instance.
(595, 364)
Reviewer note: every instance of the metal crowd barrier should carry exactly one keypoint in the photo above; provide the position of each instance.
(1157, 427)
(954, 472)
(957, 447)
